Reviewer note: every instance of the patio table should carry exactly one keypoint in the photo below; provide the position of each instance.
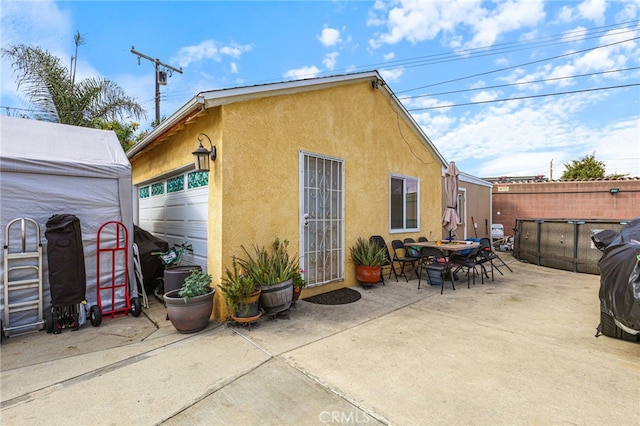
(446, 246)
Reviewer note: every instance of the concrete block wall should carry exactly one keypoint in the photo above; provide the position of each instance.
(587, 199)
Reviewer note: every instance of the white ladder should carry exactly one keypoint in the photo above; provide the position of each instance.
(30, 262)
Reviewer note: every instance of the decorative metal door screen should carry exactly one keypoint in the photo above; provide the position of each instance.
(322, 222)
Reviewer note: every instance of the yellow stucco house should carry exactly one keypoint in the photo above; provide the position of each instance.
(319, 162)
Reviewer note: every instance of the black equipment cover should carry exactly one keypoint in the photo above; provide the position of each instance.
(620, 275)
(151, 265)
(65, 257)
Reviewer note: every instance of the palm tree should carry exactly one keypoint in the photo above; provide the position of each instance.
(50, 87)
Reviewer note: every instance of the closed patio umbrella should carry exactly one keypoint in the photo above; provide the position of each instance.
(450, 218)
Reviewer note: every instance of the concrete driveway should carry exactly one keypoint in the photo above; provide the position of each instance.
(518, 350)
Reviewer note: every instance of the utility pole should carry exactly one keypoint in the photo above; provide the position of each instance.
(161, 76)
(551, 170)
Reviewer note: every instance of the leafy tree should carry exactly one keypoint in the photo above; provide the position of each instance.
(52, 89)
(126, 132)
(585, 168)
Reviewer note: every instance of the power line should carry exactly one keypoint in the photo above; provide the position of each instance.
(503, 48)
(526, 97)
(519, 83)
(521, 65)
(460, 54)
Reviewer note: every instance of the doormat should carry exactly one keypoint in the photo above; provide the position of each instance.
(341, 296)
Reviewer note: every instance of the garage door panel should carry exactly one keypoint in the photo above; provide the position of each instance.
(186, 213)
(156, 213)
(185, 231)
(178, 217)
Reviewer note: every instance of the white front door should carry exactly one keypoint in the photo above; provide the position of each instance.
(175, 210)
(322, 221)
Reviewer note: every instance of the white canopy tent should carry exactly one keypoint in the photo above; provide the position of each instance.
(47, 169)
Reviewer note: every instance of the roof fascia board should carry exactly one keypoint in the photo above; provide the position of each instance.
(238, 94)
(465, 177)
(193, 105)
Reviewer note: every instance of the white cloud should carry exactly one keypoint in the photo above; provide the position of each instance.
(565, 14)
(593, 10)
(506, 17)
(417, 21)
(209, 49)
(590, 10)
(575, 35)
(329, 37)
(330, 60)
(521, 138)
(390, 75)
(302, 72)
(23, 23)
(233, 67)
(484, 96)
(629, 12)
(560, 72)
(373, 19)
(388, 56)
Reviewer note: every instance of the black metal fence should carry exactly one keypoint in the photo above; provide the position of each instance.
(561, 244)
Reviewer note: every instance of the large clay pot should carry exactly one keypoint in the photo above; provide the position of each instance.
(192, 316)
(368, 275)
(277, 297)
(174, 276)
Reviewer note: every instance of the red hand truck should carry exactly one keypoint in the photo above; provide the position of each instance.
(113, 251)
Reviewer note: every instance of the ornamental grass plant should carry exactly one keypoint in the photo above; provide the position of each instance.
(269, 267)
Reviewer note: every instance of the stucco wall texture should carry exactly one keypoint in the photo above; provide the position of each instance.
(254, 193)
(589, 199)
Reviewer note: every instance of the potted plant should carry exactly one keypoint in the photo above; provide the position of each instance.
(273, 271)
(241, 294)
(298, 284)
(368, 258)
(189, 308)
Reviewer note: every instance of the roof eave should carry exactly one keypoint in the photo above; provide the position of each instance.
(196, 104)
(214, 98)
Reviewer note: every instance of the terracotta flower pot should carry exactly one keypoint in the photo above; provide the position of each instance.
(368, 275)
(192, 316)
(296, 294)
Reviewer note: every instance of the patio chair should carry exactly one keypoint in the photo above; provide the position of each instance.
(388, 261)
(411, 252)
(400, 256)
(434, 259)
(468, 261)
(487, 255)
(423, 240)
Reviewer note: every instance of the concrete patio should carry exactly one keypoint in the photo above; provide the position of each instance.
(518, 350)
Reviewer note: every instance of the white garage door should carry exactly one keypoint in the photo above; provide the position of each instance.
(175, 210)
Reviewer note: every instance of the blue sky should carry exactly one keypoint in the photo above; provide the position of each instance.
(454, 65)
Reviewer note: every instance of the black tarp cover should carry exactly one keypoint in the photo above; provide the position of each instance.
(65, 255)
(151, 265)
(620, 275)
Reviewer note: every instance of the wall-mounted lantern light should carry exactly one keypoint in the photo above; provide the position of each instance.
(202, 155)
(614, 191)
